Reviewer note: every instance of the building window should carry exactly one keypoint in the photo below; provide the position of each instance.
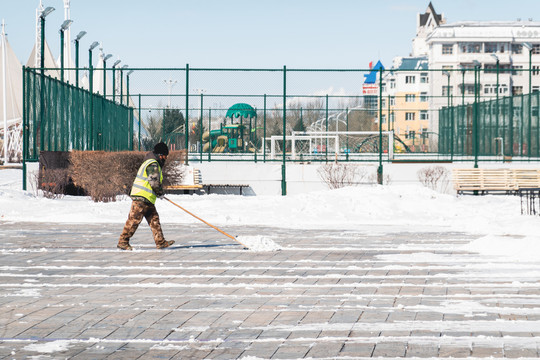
(517, 70)
(535, 88)
(423, 97)
(424, 115)
(536, 70)
(410, 79)
(517, 48)
(383, 119)
(517, 90)
(392, 100)
(392, 84)
(536, 48)
(410, 97)
(447, 49)
(409, 116)
(490, 47)
(469, 89)
(446, 90)
(471, 48)
(424, 78)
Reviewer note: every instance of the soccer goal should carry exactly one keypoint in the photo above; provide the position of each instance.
(336, 143)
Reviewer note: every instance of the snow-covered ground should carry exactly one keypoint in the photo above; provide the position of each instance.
(352, 208)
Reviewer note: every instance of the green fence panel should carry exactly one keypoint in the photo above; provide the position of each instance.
(61, 117)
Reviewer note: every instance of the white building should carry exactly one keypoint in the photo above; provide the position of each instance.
(454, 50)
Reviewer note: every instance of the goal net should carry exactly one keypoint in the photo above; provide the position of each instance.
(315, 144)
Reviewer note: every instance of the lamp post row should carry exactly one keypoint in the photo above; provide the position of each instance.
(65, 26)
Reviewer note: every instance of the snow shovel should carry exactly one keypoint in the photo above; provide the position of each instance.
(212, 226)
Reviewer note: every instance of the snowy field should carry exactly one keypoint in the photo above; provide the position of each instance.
(353, 273)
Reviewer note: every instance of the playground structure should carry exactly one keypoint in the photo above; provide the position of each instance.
(233, 137)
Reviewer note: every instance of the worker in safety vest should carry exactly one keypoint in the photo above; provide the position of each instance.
(147, 187)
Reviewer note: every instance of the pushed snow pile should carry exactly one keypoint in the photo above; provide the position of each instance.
(259, 243)
(49, 347)
(526, 248)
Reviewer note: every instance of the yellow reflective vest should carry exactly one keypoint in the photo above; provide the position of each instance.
(141, 185)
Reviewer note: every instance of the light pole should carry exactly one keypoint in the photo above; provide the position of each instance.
(127, 86)
(91, 88)
(42, 17)
(170, 83)
(77, 40)
(114, 79)
(530, 48)
(90, 67)
(105, 58)
(122, 84)
(63, 28)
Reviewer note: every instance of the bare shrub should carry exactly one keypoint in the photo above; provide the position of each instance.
(54, 182)
(337, 175)
(434, 177)
(104, 175)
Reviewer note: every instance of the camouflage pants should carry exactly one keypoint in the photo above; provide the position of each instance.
(140, 209)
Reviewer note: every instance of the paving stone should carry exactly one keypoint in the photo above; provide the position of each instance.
(212, 300)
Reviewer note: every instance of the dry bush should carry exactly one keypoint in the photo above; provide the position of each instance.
(434, 177)
(104, 175)
(53, 182)
(337, 175)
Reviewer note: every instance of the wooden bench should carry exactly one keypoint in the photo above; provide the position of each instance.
(192, 183)
(507, 181)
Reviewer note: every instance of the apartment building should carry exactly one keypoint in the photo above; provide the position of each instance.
(501, 57)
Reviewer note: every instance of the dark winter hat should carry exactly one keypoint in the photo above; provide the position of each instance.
(161, 149)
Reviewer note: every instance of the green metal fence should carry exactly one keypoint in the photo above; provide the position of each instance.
(409, 114)
(58, 116)
(508, 126)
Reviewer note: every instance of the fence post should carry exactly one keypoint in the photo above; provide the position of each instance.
(201, 126)
(140, 120)
(326, 114)
(264, 130)
(24, 127)
(380, 168)
(283, 166)
(186, 126)
(209, 137)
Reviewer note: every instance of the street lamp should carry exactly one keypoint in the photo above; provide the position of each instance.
(63, 28)
(114, 78)
(127, 86)
(77, 39)
(90, 67)
(105, 58)
(42, 17)
(170, 83)
(530, 48)
(122, 84)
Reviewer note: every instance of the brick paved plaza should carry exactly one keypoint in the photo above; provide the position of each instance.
(66, 292)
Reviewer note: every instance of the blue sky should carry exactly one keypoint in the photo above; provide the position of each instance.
(241, 33)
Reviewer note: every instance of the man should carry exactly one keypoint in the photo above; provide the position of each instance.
(146, 188)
